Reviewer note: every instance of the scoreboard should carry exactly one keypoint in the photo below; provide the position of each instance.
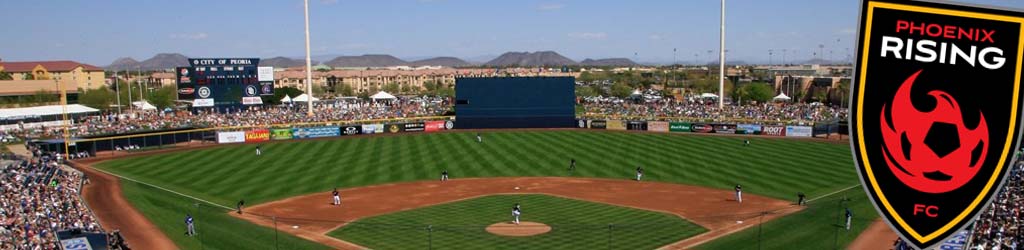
(211, 82)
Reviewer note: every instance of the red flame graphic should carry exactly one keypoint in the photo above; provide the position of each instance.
(916, 164)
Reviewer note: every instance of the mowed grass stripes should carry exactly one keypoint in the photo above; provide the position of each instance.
(769, 166)
(574, 225)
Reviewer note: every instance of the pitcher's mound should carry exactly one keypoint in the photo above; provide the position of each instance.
(525, 228)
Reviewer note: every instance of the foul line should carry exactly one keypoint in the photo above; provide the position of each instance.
(164, 189)
(832, 193)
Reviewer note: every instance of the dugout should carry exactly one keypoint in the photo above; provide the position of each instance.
(515, 102)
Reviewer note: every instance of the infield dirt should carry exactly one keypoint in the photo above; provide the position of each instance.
(312, 216)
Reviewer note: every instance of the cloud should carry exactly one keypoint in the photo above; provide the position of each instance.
(588, 35)
(550, 6)
(189, 36)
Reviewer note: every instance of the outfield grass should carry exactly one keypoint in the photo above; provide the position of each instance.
(772, 167)
(575, 225)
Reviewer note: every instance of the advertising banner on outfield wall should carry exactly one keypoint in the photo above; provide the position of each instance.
(257, 135)
(394, 128)
(750, 129)
(231, 137)
(702, 128)
(369, 128)
(598, 124)
(616, 125)
(281, 134)
(725, 128)
(433, 126)
(773, 130)
(657, 126)
(315, 132)
(351, 130)
(636, 125)
(798, 131)
(413, 127)
(679, 126)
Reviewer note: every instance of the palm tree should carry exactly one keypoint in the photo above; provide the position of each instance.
(843, 90)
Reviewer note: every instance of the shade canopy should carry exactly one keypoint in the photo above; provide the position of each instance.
(304, 98)
(382, 96)
(781, 97)
(286, 99)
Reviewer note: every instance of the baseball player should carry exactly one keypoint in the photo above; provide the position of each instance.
(639, 173)
(746, 142)
(572, 165)
(849, 217)
(337, 197)
(515, 214)
(479, 139)
(258, 151)
(739, 193)
(444, 175)
(801, 199)
(189, 225)
(239, 206)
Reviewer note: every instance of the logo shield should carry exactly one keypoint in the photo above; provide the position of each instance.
(935, 111)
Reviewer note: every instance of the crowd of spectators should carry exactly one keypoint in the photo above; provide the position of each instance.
(38, 198)
(999, 226)
(709, 111)
(335, 110)
(405, 107)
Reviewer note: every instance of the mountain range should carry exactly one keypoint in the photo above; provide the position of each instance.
(165, 61)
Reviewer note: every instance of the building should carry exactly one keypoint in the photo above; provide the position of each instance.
(83, 75)
(15, 92)
(368, 80)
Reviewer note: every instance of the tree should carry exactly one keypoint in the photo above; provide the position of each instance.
(843, 90)
(28, 76)
(621, 90)
(43, 96)
(407, 89)
(98, 98)
(344, 90)
(163, 97)
(279, 94)
(5, 76)
(759, 92)
(586, 91)
(317, 90)
(390, 88)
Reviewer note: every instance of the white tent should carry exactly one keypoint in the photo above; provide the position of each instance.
(143, 105)
(22, 113)
(781, 97)
(304, 98)
(286, 99)
(636, 92)
(708, 95)
(382, 96)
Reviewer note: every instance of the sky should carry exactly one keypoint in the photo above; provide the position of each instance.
(683, 31)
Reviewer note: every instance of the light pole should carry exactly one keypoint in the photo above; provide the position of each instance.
(309, 64)
(721, 61)
(117, 88)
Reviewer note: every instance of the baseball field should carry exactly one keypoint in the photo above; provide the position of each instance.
(276, 183)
